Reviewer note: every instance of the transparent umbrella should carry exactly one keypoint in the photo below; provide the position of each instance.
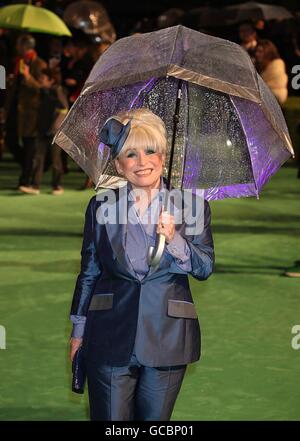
(204, 17)
(91, 17)
(255, 11)
(227, 134)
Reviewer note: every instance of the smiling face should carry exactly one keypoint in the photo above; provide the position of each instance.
(142, 156)
(142, 167)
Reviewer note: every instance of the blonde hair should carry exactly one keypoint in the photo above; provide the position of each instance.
(146, 130)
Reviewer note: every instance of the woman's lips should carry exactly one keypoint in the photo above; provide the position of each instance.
(145, 172)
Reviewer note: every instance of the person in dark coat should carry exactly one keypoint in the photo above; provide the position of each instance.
(53, 105)
(28, 69)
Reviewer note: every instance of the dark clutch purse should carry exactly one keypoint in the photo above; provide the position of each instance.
(79, 372)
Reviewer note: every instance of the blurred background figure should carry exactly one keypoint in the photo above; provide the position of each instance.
(79, 65)
(4, 57)
(28, 69)
(77, 61)
(95, 34)
(272, 69)
(248, 38)
(53, 107)
(55, 53)
(261, 29)
(75, 64)
(98, 48)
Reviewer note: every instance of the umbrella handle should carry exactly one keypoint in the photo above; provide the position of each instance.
(155, 253)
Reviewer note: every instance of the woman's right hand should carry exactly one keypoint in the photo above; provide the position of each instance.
(75, 344)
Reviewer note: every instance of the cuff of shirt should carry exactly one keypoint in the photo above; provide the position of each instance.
(178, 248)
(78, 326)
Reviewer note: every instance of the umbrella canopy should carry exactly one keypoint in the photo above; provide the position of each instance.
(32, 19)
(91, 17)
(231, 135)
(255, 11)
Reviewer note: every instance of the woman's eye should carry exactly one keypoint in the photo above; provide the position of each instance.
(150, 151)
(130, 155)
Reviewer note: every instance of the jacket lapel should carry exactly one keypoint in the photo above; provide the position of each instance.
(116, 231)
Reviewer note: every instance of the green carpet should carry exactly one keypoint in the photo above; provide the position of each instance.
(247, 308)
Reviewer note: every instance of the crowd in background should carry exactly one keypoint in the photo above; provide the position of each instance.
(39, 93)
(45, 75)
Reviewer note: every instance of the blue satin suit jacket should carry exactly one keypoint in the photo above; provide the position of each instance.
(155, 315)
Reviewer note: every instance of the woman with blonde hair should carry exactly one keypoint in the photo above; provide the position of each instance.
(136, 324)
(272, 69)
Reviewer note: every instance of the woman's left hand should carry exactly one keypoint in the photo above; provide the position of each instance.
(166, 226)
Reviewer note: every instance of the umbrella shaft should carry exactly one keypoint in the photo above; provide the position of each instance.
(176, 120)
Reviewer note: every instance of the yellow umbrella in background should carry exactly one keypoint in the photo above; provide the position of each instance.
(32, 19)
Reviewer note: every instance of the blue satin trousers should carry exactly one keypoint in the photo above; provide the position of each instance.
(134, 392)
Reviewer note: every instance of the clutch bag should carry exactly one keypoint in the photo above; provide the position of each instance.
(79, 372)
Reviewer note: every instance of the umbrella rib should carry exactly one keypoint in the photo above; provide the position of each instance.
(242, 126)
(174, 43)
(279, 131)
(213, 83)
(25, 13)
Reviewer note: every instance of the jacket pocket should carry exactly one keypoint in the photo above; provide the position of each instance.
(101, 301)
(182, 309)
